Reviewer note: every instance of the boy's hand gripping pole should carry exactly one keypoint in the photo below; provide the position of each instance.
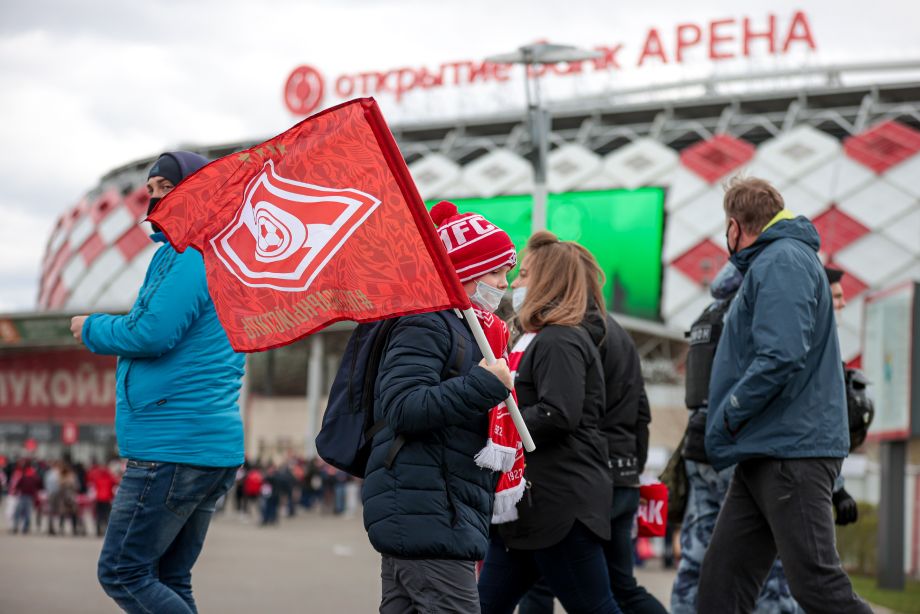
(480, 336)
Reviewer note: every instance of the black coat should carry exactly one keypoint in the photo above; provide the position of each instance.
(627, 416)
(560, 388)
(434, 502)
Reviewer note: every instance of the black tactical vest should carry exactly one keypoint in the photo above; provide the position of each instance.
(703, 337)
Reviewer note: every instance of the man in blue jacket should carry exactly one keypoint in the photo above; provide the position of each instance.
(777, 409)
(176, 419)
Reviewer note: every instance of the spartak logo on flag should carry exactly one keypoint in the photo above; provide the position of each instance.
(319, 224)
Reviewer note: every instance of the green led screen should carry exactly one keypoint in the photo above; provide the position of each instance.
(622, 228)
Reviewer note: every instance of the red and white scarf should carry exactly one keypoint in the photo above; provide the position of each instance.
(503, 450)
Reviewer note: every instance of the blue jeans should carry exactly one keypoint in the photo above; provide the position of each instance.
(159, 520)
(22, 513)
(631, 597)
(574, 569)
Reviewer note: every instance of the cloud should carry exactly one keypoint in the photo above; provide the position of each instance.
(92, 85)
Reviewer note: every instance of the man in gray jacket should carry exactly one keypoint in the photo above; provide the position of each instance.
(777, 409)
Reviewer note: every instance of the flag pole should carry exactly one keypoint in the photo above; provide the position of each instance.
(470, 316)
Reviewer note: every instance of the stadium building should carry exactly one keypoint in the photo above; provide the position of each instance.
(636, 177)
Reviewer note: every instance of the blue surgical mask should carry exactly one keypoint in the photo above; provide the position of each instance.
(517, 298)
(487, 297)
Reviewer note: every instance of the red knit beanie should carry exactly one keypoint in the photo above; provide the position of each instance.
(475, 245)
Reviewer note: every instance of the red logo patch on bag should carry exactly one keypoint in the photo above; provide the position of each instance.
(652, 515)
(286, 231)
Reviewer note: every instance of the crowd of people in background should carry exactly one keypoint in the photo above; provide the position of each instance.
(62, 497)
(271, 489)
(56, 496)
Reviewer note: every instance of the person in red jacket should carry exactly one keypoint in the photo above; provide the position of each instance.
(25, 484)
(103, 482)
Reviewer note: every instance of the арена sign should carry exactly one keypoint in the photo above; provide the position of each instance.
(716, 40)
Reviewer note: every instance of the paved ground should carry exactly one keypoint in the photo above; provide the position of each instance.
(311, 563)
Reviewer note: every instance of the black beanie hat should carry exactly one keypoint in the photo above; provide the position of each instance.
(166, 167)
(833, 275)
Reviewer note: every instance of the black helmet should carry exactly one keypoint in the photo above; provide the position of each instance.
(860, 409)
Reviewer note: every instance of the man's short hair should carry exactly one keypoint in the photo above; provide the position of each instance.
(752, 202)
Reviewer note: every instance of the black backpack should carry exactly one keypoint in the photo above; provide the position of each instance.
(346, 436)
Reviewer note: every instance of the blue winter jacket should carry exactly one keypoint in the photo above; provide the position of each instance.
(777, 388)
(434, 502)
(178, 379)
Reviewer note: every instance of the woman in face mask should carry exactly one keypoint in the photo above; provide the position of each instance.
(565, 512)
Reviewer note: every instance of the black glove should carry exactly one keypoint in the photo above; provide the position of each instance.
(845, 505)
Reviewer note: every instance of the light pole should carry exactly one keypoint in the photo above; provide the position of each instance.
(538, 117)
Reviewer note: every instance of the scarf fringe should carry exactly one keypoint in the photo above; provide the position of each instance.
(505, 509)
(496, 457)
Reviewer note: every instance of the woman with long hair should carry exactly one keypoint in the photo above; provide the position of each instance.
(565, 514)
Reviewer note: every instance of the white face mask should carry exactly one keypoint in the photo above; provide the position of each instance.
(487, 297)
(517, 298)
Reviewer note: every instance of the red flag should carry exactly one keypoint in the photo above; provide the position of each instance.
(319, 224)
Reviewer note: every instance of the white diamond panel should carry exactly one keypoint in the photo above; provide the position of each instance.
(684, 185)
(73, 270)
(759, 170)
(873, 259)
(877, 204)
(705, 212)
(432, 174)
(838, 178)
(570, 166)
(802, 201)
(642, 162)
(115, 224)
(81, 231)
(906, 231)
(496, 172)
(599, 181)
(122, 291)
(797, 152)
(906, 175)
(678, 291)
(685, 317)
(679, 236)
(57, 241)
(105, 267)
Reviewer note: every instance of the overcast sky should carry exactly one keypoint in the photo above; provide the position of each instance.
(90, 85)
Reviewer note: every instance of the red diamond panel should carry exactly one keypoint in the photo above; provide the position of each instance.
(852, 285)
(837, 230)
(92, 248)
(856, 363)
(133, 242)
(53, 270)
(58, 296)
(137, 201)
(883, 146)
(702, 262)
(103, 206)
(716, 157)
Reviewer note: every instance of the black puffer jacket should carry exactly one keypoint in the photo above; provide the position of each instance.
(560, 388)
(627, 416)
(434, 502)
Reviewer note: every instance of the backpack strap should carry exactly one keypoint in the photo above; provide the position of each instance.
(459, 342)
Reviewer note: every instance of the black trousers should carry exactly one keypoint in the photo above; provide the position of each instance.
(777, 506)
